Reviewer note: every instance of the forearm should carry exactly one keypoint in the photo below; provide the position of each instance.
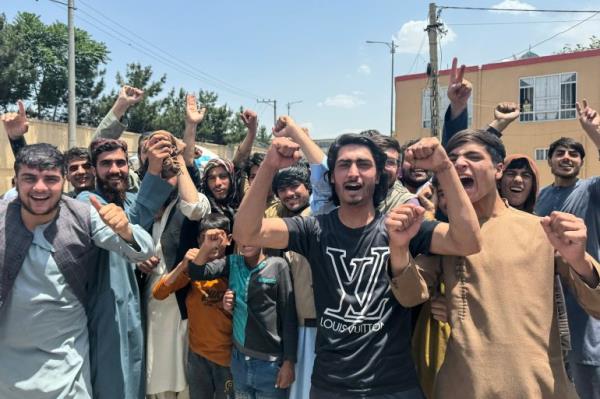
(586, 270)
(453, 125)
(189, 138)
(399, 260)
(249, 217)
(245, 148)
(170, 283)
(187, 189)
(17, 144)
(408, 286)
(313, 153)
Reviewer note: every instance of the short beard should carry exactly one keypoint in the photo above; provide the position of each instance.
(110, 194)
(49, 211)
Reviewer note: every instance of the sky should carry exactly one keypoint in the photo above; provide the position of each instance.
(312, 51)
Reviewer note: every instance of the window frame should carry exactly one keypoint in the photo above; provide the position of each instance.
(528, 117)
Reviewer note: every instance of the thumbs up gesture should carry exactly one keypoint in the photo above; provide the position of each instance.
(114, 217)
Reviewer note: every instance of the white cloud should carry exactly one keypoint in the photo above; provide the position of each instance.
(412, 37)
(346, 101)
(358, 93)
(364, 70)
(513, 4)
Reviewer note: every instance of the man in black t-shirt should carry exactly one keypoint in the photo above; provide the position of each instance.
(363, 340)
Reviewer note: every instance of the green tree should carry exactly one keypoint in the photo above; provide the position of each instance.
(39, 53)
(263, 137)
(144, 115)
(172, 113)
(594, 43)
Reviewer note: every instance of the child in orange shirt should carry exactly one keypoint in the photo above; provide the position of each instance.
(209, 326)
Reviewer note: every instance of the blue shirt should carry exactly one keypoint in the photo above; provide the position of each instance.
(43, 328)
(582, 200)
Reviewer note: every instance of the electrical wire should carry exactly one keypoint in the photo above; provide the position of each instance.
(514, 23)
(166, 57)
(514, 9)
(555, 35)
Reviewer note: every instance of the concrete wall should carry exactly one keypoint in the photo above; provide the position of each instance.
(494, 83)
(56, 133)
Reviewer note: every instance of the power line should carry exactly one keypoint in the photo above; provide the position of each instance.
(557, 34)
(170, 59)
(515, 9)
(515, 22)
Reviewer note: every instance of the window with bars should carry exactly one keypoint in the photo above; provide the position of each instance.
(443, 103)
(541, 154)
(549, 97)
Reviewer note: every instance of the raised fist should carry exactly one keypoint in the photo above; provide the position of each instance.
(506, 112)
(15, 123)
(567, 234)
(282, 153)
(428, 154)
(286, 127)
(250, 119)
(403, 223)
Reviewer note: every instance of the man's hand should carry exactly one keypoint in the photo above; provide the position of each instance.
(403, 223)
(286, 375)
(250, 120)
(426, 198)
(213, 239)
(286, 127)
(15, 123)
(506, 112)
(158, 149)
(114, 217)
(229, 300)
(567, 234)
(282, 153)
(589, 119)
(149, 265)
(459, 89)
(193, 116)
(190, 255)
(128, 96)
(428, 154)
(439, 308)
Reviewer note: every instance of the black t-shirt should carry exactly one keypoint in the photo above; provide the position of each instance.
(364, 334)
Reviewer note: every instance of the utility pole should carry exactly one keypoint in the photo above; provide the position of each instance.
(273, 103)
(432, 70)
(71, 81)
(292, 103)
(392, 46)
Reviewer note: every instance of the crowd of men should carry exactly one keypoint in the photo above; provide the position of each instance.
(378, 270)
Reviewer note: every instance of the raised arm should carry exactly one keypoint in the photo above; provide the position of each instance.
(590, 122)
(193, 117)
(111, 127)
(250, 228)
(461, 236)
(250, 120)
(459, 91)
(321, 190)
(16, 125)
(505, 113)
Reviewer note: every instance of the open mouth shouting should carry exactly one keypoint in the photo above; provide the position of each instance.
(467, 181)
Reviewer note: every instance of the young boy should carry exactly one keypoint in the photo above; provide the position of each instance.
(209, 326)
(264, 317)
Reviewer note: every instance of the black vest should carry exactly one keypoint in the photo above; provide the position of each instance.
(69, 233)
